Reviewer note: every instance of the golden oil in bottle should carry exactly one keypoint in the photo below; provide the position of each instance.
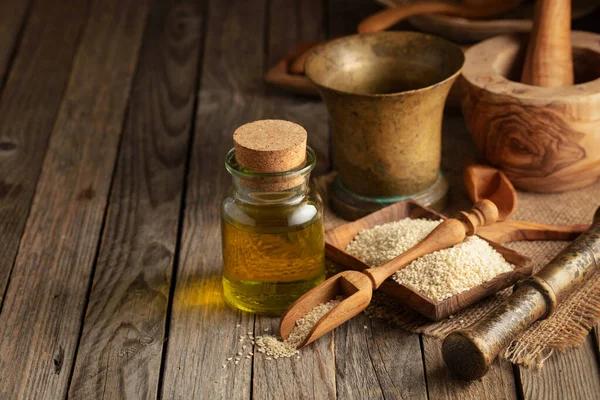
(267, 266)
(272, 227)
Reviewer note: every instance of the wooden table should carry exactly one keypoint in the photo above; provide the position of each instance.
(115, 117)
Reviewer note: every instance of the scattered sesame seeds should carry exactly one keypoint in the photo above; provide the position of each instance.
(229, 358)
(238, 325)
(276, 348)
(437, 275)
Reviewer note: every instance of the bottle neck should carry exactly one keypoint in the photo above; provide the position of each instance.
(284, 190)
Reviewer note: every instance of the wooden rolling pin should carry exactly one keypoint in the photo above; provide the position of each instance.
(469, 352)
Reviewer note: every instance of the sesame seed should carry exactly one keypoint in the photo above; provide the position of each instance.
(239, 353)
(229, 358)
(238, 325)
(224, 366)
(438, 275)
(366, 327)
(266, 329)
(237, 362)
(276, 348)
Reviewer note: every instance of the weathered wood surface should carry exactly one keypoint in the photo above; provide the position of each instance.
(499, 383)
(291, 22)
(42, 313)
(313, 374)
(121, 346)
(13, 14)
(573, 375)
(88, 304)
(28, 107)
(203, 331)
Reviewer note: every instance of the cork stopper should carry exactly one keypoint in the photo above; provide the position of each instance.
(270, 145)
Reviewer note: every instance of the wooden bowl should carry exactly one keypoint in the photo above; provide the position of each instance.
(337, 240)
(543, 139)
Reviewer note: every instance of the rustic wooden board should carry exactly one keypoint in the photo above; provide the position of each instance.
(572, 375)
(13, 14)
(313, 374)
(203, 330)
(122, 340)
(28, 107)
(597, 337)
(499, 383)
(45, 301)
(289, 24)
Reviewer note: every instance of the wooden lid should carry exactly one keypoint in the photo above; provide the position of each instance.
(270, 145)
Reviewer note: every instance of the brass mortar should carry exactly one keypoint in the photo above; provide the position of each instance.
(385, 93)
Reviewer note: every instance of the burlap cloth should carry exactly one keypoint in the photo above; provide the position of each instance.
(573, 318)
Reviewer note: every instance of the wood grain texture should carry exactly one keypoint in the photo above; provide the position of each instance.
(375, 360)
(309, 376)
(13, 14)
(499, 383)
(204, 332)
(28, 108)
(121, 345)
(572, 375)
(313, 374)
(42, 314)
(291, 22)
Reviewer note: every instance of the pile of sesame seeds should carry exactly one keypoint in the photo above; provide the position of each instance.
(438, 275)
(275, 348)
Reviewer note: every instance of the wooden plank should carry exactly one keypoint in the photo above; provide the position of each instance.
(377, 360)
(499, 383)
(28, 108)
(42, 315)
(13, 14)
(571, 375)
(356, 377)
(313, 374)
(203, 330)
(121, 347)
(381, 361)
(289, 24)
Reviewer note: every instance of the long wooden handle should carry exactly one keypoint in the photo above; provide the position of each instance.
(447, 234)
(387, 18)
(512, 231)
(468, 353)
(549, 58)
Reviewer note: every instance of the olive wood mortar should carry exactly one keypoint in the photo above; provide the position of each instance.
(469, 353)
(337, 239)
(544, 139)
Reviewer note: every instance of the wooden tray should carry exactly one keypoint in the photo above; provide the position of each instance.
(337, 240)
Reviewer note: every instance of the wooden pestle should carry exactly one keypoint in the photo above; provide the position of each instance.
(469, 352)
(549, 57)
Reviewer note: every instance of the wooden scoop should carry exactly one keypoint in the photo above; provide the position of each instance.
(358, 287)
(485, 182)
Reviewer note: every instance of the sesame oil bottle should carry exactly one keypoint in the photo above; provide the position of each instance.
(272, 219)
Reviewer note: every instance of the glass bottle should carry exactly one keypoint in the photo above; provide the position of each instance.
(272, 237)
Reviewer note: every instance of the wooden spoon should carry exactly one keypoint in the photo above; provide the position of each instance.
(389, 17)
(485, 182)
(357, 287)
